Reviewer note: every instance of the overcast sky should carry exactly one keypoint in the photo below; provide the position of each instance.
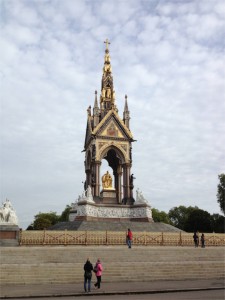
(167, 56)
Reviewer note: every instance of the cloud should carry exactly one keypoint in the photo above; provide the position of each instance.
(167, 56)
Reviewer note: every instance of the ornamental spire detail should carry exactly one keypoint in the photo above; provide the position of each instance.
(107, 98)
(126, 113)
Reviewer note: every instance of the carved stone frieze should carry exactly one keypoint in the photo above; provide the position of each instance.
(89, 210)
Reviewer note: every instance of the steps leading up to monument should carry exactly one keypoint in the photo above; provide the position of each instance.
(35, 265)
(114, 226)
(68, 254)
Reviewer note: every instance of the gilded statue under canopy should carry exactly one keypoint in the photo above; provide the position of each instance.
(107, 181)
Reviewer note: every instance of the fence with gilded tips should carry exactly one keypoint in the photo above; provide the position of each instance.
(48, 237)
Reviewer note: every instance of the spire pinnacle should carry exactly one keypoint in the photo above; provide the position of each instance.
(107, 97)
(126, 105)
(96, 100)
(96, 111)
(107, 44)
(126, 113)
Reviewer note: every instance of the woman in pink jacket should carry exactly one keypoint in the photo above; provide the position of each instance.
(98, 271)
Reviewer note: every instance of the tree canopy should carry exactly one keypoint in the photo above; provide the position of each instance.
(221, 192)
(65, 214)
(178, 215)
(45, 220)
(195, 219)
(198, 220)
(160, 216)
(218, 223)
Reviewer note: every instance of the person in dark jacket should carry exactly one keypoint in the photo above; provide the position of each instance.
(196, 240)
(203, 240)
(88, 268)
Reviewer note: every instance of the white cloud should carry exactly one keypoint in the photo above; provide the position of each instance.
(167, 56)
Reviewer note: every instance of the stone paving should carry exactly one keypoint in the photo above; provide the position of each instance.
(115, 288)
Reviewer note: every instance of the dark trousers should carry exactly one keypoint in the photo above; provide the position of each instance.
(196, 243)
(87, 281)
(98, 283)
(129, 243)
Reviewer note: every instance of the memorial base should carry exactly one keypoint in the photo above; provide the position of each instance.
(9, 235)
(111, 212)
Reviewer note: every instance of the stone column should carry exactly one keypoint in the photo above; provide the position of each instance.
(97, 184)
(119, 190)
(88, 178)
(115, 176)
(126, 183)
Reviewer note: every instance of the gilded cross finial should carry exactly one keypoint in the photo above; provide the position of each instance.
(107, 44)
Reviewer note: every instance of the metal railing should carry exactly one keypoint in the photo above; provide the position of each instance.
(49, 237)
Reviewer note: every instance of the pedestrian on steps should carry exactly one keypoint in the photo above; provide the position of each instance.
(98, 272)
(203, 240)
(196, 240)
(129, 238)
(88, 268)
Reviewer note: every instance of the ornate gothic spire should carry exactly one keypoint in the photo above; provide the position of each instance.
(107, 98)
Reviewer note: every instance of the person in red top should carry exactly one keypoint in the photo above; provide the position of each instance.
(129, 238)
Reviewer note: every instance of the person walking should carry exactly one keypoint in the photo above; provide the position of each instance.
(98, 272)
(198, 235)
(203, 240)
(88, 267)
(196, 241)
(129, 238)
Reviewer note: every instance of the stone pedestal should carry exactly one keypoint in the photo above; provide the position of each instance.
(9, 235)
(108, 196)
(111, 212)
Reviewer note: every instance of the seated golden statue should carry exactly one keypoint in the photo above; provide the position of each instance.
(107, 181)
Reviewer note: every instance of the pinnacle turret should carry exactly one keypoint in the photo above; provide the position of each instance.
(126, 114)
(96, 111)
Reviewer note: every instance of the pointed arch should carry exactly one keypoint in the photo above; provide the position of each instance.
(120, 154)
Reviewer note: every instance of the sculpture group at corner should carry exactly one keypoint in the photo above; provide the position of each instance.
(8, 214)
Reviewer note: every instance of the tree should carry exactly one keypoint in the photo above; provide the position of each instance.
(178, 215)
(65, 214)
(160, 216)
(44, 220)
(198, 220)
(218, 223)
(221, 192)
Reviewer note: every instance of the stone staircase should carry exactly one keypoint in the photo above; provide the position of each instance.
(114, 226)
(64, 264)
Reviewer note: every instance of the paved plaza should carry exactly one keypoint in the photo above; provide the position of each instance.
(108, 289)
